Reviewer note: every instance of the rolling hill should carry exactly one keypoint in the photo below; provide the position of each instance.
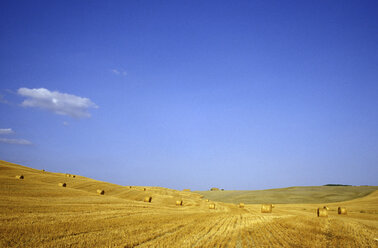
(291, 195)
(36, 212)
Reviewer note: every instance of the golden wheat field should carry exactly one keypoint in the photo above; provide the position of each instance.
(36, 212)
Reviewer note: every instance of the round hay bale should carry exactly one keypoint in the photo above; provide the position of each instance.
(212, 206)
(67, 175)
(130, 187)
(341, 210)
(207, 200)
(266, 208)
(144, 189)
(73, 176)
(188, 190)
(179, 203)
(322, 212)
(147, 199)
(325, 207)
(100, 191)
(62, 184)
(20, 176)
(241, 205)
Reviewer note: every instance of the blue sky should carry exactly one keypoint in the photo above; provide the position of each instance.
(192, 94)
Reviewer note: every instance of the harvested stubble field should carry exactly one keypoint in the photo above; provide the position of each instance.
(36, 212)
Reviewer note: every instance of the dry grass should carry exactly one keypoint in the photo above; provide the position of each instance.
(36, 213)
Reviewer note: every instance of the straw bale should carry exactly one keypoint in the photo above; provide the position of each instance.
(341, 210)
(266, 208)
(322, 212)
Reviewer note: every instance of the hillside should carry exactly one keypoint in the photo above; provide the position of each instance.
(37, 212)
(291, 195)
(44, 185)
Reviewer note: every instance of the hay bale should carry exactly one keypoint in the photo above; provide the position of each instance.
(130, 187)
(212, 206)
(73, 176)
(322, 212)
(147, 199)
(20, 176)
(62, 184)
(179, 203)
(273, 206)
(325, 207)
(100, 191)
(144, 189)
(67, 175)
(43, 170)
(214, 189)
(188, 190)
(241, 205)
(266, 208)
(207, 200)
(341, 210)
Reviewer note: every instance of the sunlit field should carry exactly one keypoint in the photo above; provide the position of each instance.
(36, 212)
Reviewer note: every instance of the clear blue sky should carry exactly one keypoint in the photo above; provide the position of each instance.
(192, 94)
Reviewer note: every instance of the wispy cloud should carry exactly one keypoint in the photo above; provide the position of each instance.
(6, 131)
(15, 141)
(3, 100)
(57, 102)
(12, 141)
(119, 72)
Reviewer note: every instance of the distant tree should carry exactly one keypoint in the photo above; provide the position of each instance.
(335, 184)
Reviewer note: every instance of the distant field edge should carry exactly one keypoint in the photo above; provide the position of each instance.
(291, 195)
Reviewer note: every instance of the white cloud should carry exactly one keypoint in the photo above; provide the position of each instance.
(15, 141)
(56, 102)
(6, 131)
(65, 123)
